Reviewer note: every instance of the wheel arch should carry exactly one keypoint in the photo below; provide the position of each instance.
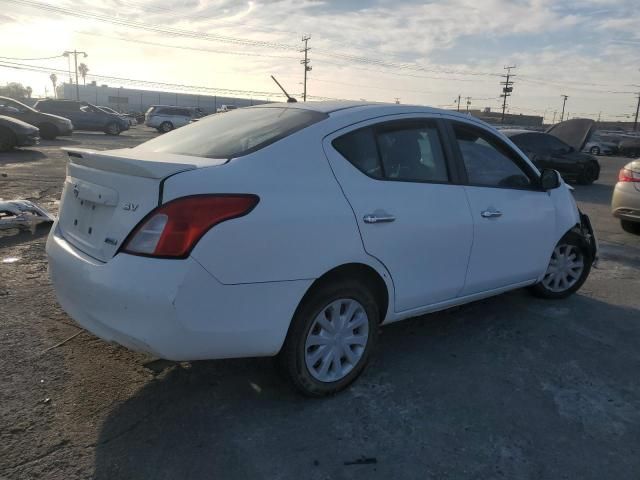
(361, 271)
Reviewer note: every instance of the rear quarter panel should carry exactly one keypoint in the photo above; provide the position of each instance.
(301, 228)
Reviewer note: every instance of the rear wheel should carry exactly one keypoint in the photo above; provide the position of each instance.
(7, 139)
(331, 338)
(166, 127)
(594, 151)
(568, 269)
(631, 227)
(48, 131)
(112, 129)
(589, 174)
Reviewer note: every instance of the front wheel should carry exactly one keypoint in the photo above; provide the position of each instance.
(112, 129)
(7, 140)
(568, 269)
(589, 174)
(331, 338)
(48, 131)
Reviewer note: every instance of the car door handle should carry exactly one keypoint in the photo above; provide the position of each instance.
(491, 213)
(378, 218)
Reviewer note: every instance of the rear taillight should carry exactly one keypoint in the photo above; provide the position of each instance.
(173, 229)
(627, 175)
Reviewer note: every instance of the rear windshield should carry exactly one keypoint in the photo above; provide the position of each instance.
(233, 134)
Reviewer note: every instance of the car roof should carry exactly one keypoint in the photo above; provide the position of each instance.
(341, 105)
(513, 132)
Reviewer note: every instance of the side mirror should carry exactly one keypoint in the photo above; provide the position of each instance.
(550, 179)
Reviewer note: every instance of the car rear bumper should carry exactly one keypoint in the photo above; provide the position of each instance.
(172, 309)
(625, 202)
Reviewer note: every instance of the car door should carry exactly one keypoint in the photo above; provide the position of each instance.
(412, 216)
(183, 117)
(513, 218)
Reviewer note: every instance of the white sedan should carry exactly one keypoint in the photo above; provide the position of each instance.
(297, 229)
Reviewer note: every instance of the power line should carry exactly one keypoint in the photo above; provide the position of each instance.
(30, 59)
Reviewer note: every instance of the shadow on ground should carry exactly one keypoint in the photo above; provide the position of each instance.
(511, 387)
(20, 155)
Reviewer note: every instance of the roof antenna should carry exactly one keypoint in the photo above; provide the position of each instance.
(290, 99)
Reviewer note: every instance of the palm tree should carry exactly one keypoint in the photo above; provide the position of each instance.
(54, 80)
(83, 69)
(29, 91)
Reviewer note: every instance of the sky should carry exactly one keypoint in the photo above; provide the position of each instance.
(421, 52)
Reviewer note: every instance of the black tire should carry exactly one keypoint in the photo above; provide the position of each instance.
(540, 290)
(589, 174)
(594, 151)
(7, 139)
(112, 129)
(291, 358)
(630, 227)
(48, 131)
(165, 127)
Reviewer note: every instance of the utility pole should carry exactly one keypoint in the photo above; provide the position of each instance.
(468, 103)
(635, 122)
(305, 63)
(459, 97)
(75, 57)
(555, 112)
(564, 101)
(506, 89)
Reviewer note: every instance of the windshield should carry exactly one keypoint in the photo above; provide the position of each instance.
(235, 133)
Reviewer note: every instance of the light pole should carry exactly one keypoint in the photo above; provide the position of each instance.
(75, 57)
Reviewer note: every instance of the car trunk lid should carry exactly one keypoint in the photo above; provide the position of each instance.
(106, 194)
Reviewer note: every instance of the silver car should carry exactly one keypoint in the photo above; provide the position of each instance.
(625, 203)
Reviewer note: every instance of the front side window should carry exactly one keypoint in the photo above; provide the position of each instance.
(488, 161)
(235, 133)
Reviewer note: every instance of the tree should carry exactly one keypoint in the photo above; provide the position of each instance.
(83, 69)
(29, 91)
(54, 81)
(13, 90)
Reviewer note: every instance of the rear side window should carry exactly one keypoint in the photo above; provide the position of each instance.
(360, 149)
(235, 133)
(413, 154)
(396, 151)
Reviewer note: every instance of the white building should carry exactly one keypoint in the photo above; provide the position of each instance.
(133, 100)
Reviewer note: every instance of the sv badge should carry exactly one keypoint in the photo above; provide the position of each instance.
(130, 207)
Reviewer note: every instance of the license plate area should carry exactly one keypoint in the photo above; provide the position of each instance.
(86, 213)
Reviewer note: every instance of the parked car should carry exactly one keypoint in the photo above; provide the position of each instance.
(165, 118)
(625, 203)
(630, 146)
(16, 133)
(50, 126)
(129, 117)
(547, 151)
(296, 229)
(84, 116)
(597, 145)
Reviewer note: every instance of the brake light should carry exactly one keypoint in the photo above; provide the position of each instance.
(627, 175)
(173, 229)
